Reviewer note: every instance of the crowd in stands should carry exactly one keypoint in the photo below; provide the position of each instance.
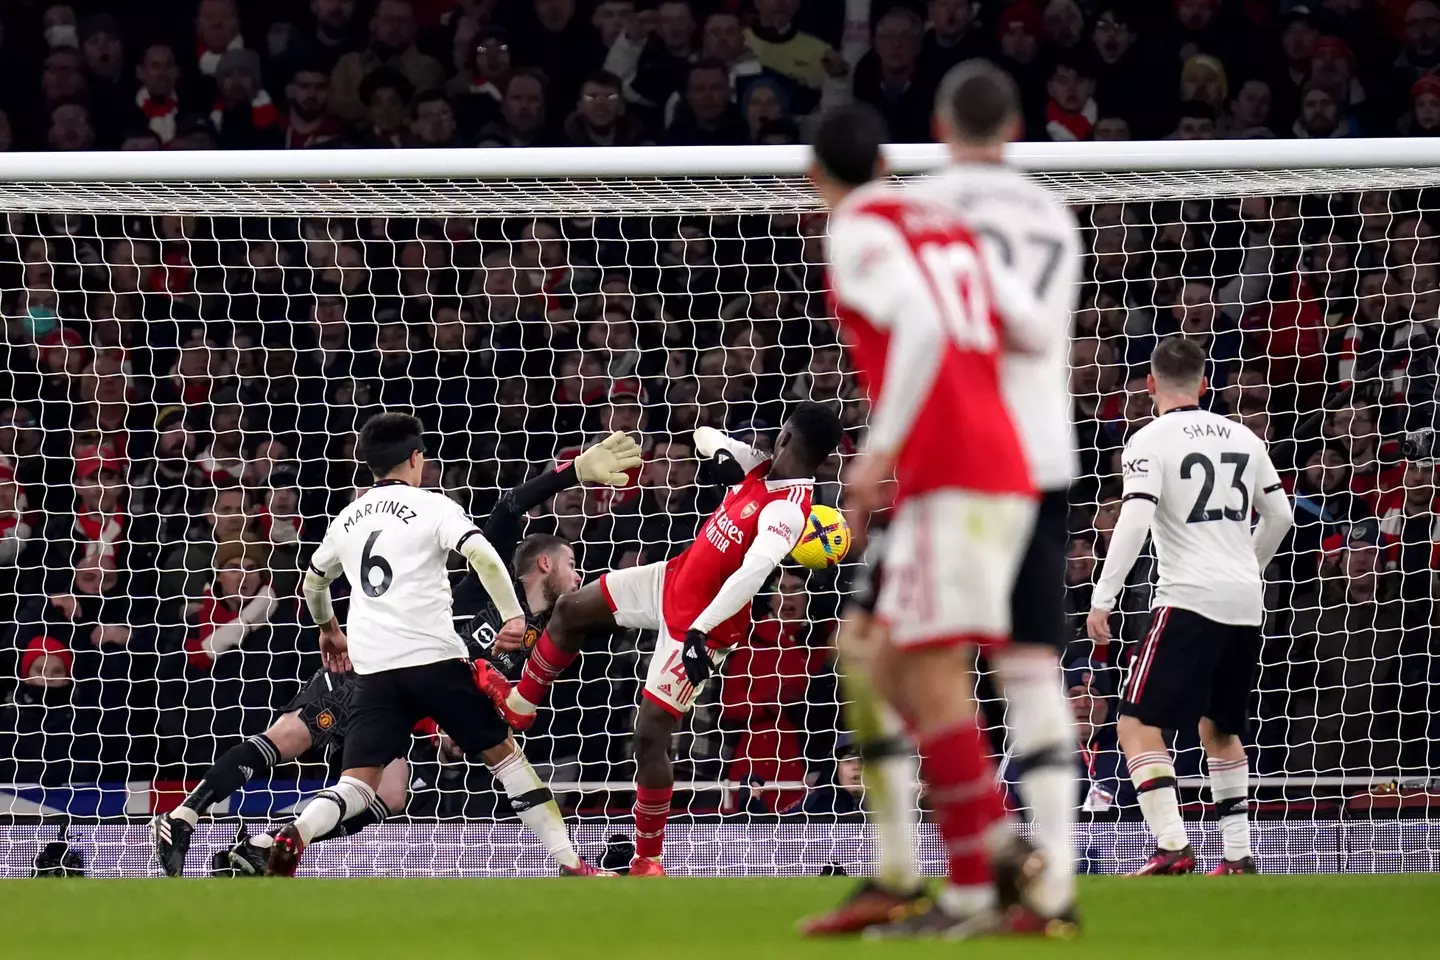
(180, 395)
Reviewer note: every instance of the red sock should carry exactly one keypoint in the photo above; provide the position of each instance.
(545, 663)
(964, 797)
(652, 809)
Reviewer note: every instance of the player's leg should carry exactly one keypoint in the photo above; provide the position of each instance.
(1221, 730)
(1042, 728)
(535, 805)
(890, 784)
(942, 599)
(666, 697)
(382, 714)
(170, 832)
(654, 784)
(1167, 688)
(625, 598)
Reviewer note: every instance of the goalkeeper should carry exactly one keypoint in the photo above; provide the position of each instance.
(544, 567)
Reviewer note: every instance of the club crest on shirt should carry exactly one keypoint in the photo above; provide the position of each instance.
(749, 508)
(531, 635)
(325, 720)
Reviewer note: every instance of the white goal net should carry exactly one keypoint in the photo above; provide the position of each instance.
(192, 342)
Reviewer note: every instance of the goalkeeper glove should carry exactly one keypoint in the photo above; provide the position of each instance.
(696, 658)
(607, 461)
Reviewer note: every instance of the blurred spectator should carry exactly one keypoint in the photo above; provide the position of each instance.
(1124, 85)
(1071, 111)
(102, 41)
(392, 46)
(522, 114)
(244, 115)
(432, 122)
(385, 94)
(217, 32)
(764, 106)
(1249, 112)
(707, 115)
(308, 122)
(723, 41)
(654, 68)
(237, 603)
(600, 119)
(477, 90)
(553, 37)
(802, 59)
(954, 34)
(890, 77)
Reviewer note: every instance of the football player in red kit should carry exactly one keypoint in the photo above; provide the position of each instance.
(925, 322)
(699, 602)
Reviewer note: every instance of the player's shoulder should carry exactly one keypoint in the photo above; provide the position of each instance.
(992, 184)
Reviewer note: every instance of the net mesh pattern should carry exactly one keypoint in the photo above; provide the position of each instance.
(188, 364)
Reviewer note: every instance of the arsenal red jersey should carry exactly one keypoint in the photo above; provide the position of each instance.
(898, 264)
(694, 577)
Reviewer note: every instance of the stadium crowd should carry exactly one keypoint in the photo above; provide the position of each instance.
(180, 395)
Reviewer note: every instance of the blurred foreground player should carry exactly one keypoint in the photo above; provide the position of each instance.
(392, 543)
(699, 602)
(318, 717)
(1027, 231)
(1196, 476)
(925, 320)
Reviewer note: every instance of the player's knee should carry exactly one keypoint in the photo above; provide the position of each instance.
(290, 736)
(1215, 740)
(392, 791)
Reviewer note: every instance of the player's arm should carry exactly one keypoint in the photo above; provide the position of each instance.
(604, 462)
(1142, 471)
(1276, 513)
(454, 530)
(323, 570)
(780, 526)
(874, 271)
(733, 458)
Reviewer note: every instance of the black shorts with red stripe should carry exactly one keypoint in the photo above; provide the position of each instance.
(1188, 667)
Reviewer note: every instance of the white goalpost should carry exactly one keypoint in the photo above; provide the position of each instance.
(194, 338)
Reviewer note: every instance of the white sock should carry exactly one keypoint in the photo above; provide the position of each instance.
(1160, 803)
(331, 805)
(186, 814)
(892, 789)
(1042, 731)
(518, 703)
(536, 807)
(1229, 787)
(962, 901)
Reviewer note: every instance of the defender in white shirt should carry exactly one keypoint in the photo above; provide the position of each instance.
(1196, 477)
(392, 544)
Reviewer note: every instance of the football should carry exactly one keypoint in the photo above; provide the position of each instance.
(825, 541)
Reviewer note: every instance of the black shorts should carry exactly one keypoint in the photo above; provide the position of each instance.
(860, 582)
(1190, 667)
(388, 704)
(1037, 601)
(324, 707)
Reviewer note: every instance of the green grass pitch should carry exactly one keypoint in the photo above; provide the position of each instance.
(678, 919)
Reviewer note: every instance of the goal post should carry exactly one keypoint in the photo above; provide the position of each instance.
(193, 339)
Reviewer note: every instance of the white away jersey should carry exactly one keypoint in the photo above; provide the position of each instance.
(1026, 230)
(1204, 474)
(392, 543)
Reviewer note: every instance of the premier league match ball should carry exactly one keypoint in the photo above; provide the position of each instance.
(825, 541)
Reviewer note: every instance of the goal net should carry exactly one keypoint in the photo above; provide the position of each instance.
(193, 340)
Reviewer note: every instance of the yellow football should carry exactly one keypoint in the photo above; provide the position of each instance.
(825, 541)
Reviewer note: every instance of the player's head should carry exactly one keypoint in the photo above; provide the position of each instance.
(550, 560)
(977, 110)
(846, 150)
(392, 445)
(1177, 371)
(809, 436)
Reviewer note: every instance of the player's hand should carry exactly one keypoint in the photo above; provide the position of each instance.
(335, 650)
(607, 461)
(510, 642)
(1097, 625)
(695, 658)
(511, 635)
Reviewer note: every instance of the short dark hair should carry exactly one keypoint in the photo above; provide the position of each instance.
(604, 78)
(1177, 360)
(847, 142)
(818, 428)
(977, 99)
(387, 440)
(534, 547)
